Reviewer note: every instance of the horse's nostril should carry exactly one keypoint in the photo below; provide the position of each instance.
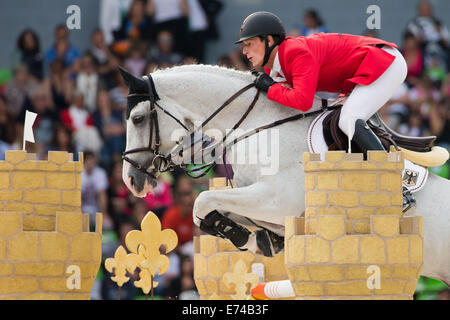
(131, 181)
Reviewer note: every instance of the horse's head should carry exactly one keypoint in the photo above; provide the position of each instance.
(145, 134)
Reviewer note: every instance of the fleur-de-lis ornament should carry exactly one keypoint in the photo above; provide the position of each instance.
(145, 282)
(119, 266)
(145, 249)
(240, 278)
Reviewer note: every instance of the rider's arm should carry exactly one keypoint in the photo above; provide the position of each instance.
(305, 74)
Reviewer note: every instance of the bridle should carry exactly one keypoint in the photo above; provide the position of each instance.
(165, 162)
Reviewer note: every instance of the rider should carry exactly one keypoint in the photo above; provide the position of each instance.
(368, 70)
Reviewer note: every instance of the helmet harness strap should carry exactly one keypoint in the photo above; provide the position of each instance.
(268, 50)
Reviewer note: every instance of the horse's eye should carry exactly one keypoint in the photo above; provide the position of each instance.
(138, 119)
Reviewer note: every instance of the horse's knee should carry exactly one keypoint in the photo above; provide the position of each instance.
(201, 205)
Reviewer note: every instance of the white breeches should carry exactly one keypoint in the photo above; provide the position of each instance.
(364, 101)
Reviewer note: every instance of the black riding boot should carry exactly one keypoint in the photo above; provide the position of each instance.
(365, 138)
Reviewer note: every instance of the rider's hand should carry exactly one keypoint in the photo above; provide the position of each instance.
(263, 81)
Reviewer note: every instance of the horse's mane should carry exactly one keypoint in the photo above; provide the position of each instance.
(243, 75)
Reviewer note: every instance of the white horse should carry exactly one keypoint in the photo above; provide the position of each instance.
(192, 93)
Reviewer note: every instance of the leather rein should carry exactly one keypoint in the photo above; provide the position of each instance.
(163, 162)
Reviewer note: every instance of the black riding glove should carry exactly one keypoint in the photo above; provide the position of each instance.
(263, 81)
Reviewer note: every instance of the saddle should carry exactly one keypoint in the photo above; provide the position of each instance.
(337, 140)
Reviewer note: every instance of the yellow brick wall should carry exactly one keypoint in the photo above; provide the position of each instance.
(39, 188)
(356, 188)
(353, 220)
(42, 228)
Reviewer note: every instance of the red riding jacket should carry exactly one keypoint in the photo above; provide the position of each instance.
(327, 62)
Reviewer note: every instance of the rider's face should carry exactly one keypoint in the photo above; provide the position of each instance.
(254, 49)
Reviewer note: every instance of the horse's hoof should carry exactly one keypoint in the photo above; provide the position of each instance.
(269, 243)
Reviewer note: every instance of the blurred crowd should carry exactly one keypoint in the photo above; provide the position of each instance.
(80, 98)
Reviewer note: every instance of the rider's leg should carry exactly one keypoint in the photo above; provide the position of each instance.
(364, 101)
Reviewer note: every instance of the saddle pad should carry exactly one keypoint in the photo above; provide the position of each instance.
(414, 176)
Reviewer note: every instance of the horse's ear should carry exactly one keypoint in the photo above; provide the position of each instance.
(135, 84)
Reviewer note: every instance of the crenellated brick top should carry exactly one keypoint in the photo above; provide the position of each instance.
(18, 160)
(340, 160)
(40, 188)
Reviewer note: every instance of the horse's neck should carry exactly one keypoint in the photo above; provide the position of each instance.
(201, 92)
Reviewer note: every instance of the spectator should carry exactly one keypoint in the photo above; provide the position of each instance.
(109, 122)
(7, 128)
(76, 116)
(160, 199)
(164, 55)
(135, 26)
(435, 72)
(139, 211)
(312, 23)
(440, 124)
(236, 60)
(106, 63)
(62, 140)
(433, 36)
(198, 27)
(30, 53)
(119, 93)
(414, 58)
(18, 91)
(62, 49)
(118, 194)
(87, 81)
(211, 9)
(111, 13)
(414, 127)
(43, 126)
(80, 122)
(171, 15)
(135, 62)
(396, 108)
(59, 85)
(182, 285)
(179, 216)
(94, 183)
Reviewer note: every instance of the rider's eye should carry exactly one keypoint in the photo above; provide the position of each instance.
(138, 119)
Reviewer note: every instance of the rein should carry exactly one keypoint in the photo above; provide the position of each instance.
(163, 163)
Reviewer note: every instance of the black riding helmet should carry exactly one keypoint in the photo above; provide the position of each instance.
(262, 24)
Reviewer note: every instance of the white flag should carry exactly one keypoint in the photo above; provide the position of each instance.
(30, 117)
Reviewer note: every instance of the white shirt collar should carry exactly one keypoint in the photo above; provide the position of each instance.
(276, 73)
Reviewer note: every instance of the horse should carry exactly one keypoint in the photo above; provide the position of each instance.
(263, 194)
